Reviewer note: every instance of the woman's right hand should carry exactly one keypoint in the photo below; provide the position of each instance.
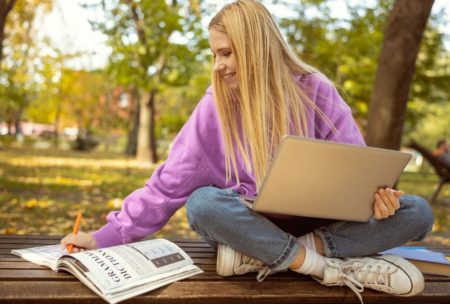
(81, 241)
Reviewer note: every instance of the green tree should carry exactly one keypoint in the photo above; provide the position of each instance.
(342, 48)
(18, 87)
(429, 97)
(84, 94)
(5, 7)
(146, 56)
(50, 102)
(347, 48)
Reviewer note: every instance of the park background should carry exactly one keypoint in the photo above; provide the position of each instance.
(93, 92)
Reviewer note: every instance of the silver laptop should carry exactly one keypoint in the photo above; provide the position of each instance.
(325, 179)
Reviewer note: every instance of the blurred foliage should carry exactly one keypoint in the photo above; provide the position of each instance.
(346, 49)
(156, 48)
(434, 124)
(18, 87)
(41, 192)
(166, 49)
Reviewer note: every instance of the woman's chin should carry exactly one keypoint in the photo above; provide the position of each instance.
(233, 85)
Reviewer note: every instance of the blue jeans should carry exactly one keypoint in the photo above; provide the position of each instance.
(219, 216)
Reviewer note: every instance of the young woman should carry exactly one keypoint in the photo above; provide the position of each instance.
(260, 92)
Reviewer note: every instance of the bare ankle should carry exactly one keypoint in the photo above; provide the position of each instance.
(320, 249)
(299, 259)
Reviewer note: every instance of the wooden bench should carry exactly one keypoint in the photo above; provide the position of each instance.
(24, 282)
(441, 169)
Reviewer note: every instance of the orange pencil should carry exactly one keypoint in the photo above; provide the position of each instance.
(75, 231)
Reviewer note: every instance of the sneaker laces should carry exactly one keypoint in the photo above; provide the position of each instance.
(263, 273)
(248, 265)
(356, 275)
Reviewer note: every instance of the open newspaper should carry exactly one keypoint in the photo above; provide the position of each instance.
(120, 272)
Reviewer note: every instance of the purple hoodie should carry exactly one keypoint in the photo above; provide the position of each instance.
(197, 159)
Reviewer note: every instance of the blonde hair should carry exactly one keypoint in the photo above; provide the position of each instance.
(269, 103)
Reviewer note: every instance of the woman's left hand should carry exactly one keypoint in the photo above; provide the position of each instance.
(386, 203)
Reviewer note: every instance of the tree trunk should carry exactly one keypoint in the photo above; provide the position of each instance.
(106, 123)
(153, 143)
(5, 7)
(56, 128)
(18, 128)
(57, 121)
(132, 140)
(146, 149)
(9, 124)
(147, 110)
(396, 67)
(18, 121)
(143, 143)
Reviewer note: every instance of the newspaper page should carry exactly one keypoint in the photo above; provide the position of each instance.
(44, 255)
(144, 287)
(139, 287)
(116, 269)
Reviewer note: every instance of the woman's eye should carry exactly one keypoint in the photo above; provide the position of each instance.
(227, 54)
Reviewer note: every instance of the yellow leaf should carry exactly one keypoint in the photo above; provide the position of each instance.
(115, 203)
(11, 230)
(31, 203)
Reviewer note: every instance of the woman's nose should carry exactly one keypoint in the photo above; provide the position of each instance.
(218, 67)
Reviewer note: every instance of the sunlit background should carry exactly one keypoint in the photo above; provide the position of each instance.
(74, 74)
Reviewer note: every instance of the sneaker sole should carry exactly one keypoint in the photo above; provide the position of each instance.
(225, 256)
(414, 274)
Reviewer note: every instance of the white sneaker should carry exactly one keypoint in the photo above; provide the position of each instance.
(386, 273)
(230, 262)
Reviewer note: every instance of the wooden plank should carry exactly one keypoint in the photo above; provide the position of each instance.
(36, 240)
(23, 264)
(206, 258)
(31, 243)
(216, 292)
(5, 252)
(29, 236)
(32, 274)
(209, 275)
(4, 238)
(40, 240)
(43, 273)
(59, 237)
(22, 282)
(21, 245)
(193, 251)
(19, 264)
(198, 261)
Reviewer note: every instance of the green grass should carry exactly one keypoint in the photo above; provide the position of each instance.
(424, 184)
(42, 190)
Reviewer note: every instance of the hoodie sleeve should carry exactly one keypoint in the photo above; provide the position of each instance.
(147, 209)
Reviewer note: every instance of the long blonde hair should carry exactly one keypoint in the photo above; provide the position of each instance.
(269, 103)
